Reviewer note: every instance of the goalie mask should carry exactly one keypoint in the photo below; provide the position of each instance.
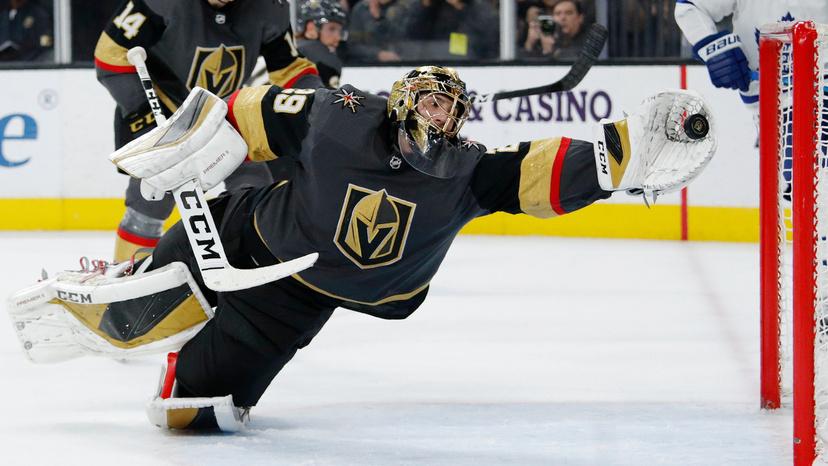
(428, 107)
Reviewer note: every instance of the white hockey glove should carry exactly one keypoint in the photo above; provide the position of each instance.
(195, 143)
(660, 147)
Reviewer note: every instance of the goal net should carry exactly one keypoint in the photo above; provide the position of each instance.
(794, 230)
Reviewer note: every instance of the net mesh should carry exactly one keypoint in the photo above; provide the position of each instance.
(785, 216)
(821, 223)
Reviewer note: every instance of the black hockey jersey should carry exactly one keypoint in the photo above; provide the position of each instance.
(327, 62)
(381, 227)
(189, 43)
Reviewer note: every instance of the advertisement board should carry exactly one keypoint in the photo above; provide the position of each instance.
(56, 132)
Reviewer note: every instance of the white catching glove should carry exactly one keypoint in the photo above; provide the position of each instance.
(195, 143)
(660, 147)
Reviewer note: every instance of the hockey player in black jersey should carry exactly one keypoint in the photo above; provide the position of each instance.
(381, 189)
(212, 44)
(320, 31)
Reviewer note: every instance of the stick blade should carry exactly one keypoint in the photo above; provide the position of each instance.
(232, 279)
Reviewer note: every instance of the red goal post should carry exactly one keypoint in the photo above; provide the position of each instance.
(794, 228)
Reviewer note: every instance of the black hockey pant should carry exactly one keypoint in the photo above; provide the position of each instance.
(255, 332)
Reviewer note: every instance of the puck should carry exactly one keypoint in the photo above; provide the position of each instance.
(696, 126)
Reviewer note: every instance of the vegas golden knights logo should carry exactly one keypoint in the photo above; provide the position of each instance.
(373, 227)
(217, 69)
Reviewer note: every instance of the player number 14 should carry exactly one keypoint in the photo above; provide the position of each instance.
(129, 22)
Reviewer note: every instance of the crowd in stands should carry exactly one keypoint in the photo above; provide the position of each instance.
(385, 31)
(25, 30)
(412, 30)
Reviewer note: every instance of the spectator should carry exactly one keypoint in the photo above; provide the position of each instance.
(454, 29)
(319, 33)
(373, 31)
(25, 31)
(534, 42)
(643, 29)
(569, 33)
(559, 35)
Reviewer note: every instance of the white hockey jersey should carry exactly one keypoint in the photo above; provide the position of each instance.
(697, 19)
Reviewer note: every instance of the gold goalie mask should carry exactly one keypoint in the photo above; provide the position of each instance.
(429, 106)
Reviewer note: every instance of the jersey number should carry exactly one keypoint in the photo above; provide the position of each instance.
(291, 100)
(129, 22)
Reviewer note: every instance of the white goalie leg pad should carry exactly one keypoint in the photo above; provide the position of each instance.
(197, 142)
(660, 147)
(64, 317)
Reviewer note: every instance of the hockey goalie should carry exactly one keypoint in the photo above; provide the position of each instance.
(381, 189)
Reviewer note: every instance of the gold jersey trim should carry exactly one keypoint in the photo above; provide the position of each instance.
(109, 52)
(536, 178)
(297, 277)
(247, 110)
(288, 74)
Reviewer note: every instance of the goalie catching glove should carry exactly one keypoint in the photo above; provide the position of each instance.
(196, 143)
(660, 147)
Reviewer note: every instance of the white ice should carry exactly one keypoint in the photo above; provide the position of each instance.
(528, 350)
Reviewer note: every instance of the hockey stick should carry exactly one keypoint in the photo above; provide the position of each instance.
(198, 222)
(595, 40)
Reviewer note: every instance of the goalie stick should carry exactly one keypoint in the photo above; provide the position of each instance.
(216, 271)
(595, 40)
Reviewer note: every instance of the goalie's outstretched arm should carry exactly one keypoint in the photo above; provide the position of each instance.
(659, 147)
(543, 178)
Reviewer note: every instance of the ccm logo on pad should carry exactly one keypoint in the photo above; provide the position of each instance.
(80, 298)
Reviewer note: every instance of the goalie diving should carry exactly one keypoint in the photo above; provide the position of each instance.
(381, 189)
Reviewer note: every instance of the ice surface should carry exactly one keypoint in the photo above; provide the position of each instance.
(528, 351)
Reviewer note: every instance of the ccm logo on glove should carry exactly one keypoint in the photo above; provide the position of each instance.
(602, 157)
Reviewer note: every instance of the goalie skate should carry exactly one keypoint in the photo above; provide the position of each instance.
(167, 411)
